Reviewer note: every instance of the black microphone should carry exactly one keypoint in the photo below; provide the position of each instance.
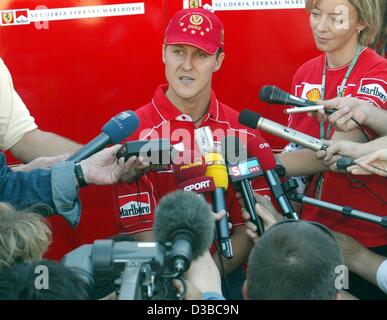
(217, 170)
(274, 95)
(261, 150)
(240, 172)
(115, 130)
(185, 220)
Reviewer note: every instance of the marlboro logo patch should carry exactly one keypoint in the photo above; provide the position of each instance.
(134, 205)
(374, 88)
(21, 17)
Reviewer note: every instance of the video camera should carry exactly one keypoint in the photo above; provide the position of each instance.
(139, 270)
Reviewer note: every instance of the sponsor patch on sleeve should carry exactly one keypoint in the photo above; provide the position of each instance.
(374, 89)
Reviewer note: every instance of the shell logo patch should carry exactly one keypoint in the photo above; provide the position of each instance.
(314, 94)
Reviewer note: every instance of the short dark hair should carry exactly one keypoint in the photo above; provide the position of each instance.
(18, 283)
(294, 261)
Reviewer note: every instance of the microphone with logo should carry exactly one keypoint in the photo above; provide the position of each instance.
(191, 176)
(184, 220)
(261, 150)
(241, 171)
(217, 170)
(114, 131)
(274, 95)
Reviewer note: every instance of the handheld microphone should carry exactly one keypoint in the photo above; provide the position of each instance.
(255, 121)
(274, 95)
(195, 167)
(153, 151)
(115, 130)
(261, 150)
(240, 173)
(190, 177)
(218, 171)
(185, 220)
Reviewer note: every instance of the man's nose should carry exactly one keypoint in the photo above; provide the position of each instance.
(187, 63)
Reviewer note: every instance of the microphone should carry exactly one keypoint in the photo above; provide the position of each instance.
(218, 171)
(185, 220)
(115, 130)
(256, 121)
(190, 177)
(261, 150)
(274, 95)
(240, 173)
(195, 167)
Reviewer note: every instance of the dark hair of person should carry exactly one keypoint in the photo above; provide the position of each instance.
(294, 261)
(25, 282)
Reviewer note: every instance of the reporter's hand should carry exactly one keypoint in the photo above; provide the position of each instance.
(347, 110)
(192, 292)
(102, 168)
(375, 163)
(265, 210)
(337, 149)
(135, 167)
(219, 216)
(204, 274)
(40, 163)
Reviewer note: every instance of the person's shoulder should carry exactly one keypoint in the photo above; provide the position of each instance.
(310, 65)
(372, 57)
(372, 67)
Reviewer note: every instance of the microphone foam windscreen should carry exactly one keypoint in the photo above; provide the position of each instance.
(260, 149)
(249, 118)
(121, 126)
(182, 210)
(217, 170)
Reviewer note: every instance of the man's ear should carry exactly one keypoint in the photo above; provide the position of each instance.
(244, 291)
(219, 62)
(163, 49)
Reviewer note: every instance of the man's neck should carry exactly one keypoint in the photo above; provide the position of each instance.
(194, 108)
(342, 57)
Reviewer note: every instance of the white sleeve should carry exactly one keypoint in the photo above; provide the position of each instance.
(15, 119)
(381, 276)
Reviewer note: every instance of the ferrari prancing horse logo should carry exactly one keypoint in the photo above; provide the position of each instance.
(7, 17)
(194, 3)
(196, 19)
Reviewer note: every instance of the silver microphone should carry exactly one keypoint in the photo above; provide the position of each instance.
(255, 121)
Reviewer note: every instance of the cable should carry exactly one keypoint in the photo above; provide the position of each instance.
(361, 129)
(358, 184)
(222, 272)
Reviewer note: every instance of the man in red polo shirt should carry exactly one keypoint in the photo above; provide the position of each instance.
(192, 52)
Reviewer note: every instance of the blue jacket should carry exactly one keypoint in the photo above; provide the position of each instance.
(43, 191)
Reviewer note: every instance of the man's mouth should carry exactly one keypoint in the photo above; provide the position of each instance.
(186, 79)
